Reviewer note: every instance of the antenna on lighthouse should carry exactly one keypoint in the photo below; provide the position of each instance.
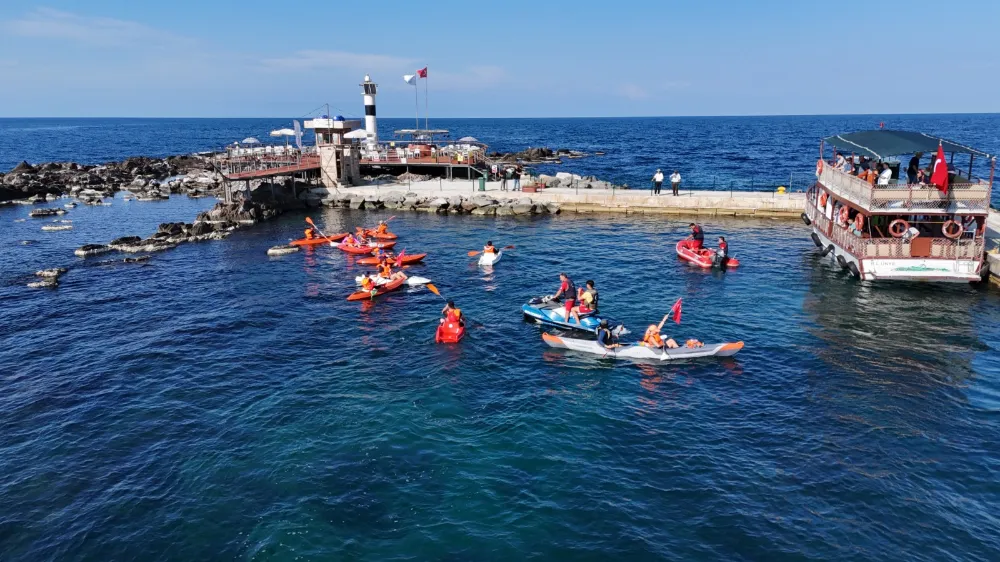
(369, 89)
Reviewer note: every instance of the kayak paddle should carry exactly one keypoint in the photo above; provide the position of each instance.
(312, 224)
(477, 252)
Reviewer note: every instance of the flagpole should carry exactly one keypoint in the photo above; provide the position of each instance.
(426, 126)
(416, 106)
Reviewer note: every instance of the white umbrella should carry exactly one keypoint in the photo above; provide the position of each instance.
(283, 133)
(357, 134)
(468, 139)
(250, 140)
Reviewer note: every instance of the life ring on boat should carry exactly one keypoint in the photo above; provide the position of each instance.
(859, 222)
(822, 199)
(898, 227)
(952, 229)
(843, 216)
(819, 167)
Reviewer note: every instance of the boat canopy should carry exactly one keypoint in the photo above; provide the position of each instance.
(881, 144)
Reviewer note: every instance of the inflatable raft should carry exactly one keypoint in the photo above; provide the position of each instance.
(689, 251)
(490, 259)
(408, 259)
(552, 314)
(319, 240)
(637, 351)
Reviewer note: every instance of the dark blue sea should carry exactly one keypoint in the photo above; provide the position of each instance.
(218, 404)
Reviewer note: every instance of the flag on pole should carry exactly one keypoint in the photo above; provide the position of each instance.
(676, 311)
(939, 176)
(422, 73)
(298, 134)
(410, 79)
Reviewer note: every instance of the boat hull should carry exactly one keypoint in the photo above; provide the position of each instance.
(377, 292)
(551, 314)
(319, 241)
(408, 259)
(487, 260)
(449, 332)
(365, 249)
(636, 351)
(701, 257)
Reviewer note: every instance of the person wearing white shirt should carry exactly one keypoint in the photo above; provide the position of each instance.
(675, 181)
(885, 175)
(657, 181)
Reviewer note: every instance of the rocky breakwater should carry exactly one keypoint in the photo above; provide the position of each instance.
(147, 179)
(481, 204)
(539, 155)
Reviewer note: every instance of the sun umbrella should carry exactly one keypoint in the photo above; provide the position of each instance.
(468, 139)
(250, 140)
(357, 134)
(283, 133)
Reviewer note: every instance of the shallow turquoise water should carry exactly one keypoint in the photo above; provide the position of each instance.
(220, 404)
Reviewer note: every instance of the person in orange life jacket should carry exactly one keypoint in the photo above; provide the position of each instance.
(385, 270)
(367, 283)
(722, 254)
(452, 314)
(697, 234)
(652, 338)
(489, 248)
(310, 233)
(382, 227)
(567, 290)
(587, 299)
(349, 240)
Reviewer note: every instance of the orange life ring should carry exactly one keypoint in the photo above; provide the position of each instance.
(822, 199)
(956, 232)
(898, 227)
(819, 167)
(843, 216)
(859, 222)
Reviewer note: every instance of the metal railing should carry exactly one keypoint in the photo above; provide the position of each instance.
(961, 197)
(890, 248)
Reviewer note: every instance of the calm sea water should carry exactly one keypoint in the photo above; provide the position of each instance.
(220, 404)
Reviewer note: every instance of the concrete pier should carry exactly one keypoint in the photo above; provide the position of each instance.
(632, 201)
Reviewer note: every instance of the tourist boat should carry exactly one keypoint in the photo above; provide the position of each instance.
(689, 251)
(895, 229)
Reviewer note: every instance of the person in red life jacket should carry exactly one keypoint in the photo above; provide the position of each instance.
(567, 290)
(722, 254)
(697, 234)
(452, 314)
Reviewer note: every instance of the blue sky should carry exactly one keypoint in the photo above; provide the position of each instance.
(512, 59)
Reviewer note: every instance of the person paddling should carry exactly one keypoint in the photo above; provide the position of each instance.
(653, 339)
(450, 313)
(382, 228)
(367, 283)
(567, 290)
(605, 337)
(489, 248)
(310, 233)
(697, 234)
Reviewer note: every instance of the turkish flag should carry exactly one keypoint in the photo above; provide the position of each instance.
(422, 73)
(939, 176)
(676, 311)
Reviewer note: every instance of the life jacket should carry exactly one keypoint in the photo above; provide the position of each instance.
(367, 283)
(653, 339)
(570, 293)
(382, 228)
(454, 315)
(309, 234)
(724, 249)
(604, 336)
(385, 270)
(489, 250)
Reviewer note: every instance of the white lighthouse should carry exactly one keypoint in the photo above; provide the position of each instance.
(369, 89)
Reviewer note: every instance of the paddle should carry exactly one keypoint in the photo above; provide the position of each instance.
(312, 224)
(433, 289)
(477, 252)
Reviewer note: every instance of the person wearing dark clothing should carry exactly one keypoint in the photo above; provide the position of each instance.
(697, 234)
(913, 168)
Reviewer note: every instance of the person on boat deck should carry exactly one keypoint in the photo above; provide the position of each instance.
(722, 254)
(913, 168)
(310, 233)
(697, 234)
(885, 174)
(868, 175)
(452, 314)
(848, 167)
(489, 248)
(605, 337)
(567, 290)
(840, 160)
(653, 339)
(588, 301)
(969, 226)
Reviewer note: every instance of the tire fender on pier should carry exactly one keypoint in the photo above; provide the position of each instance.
(805, 219)
(826, 252)
(842, 261)
(817, 241)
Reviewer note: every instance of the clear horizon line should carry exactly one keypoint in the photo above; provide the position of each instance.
(527, 117)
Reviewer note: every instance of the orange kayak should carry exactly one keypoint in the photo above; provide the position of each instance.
(408, 259)
(379, 290)
(319, 240)
(370, 233)
(365, 249)
(449, 332)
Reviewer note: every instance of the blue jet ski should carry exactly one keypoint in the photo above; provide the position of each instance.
(551, 312)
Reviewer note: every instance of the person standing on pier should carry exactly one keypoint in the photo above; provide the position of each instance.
(675, 181)
(657, 181)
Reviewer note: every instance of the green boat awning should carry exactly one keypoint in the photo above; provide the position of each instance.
(882, 144)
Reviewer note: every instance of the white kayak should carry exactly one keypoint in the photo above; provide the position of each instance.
(411, 281)
(490, 259)
(637, 351)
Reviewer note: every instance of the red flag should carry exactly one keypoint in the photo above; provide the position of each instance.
(676, 311)
(939, 176)
(422, 73)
